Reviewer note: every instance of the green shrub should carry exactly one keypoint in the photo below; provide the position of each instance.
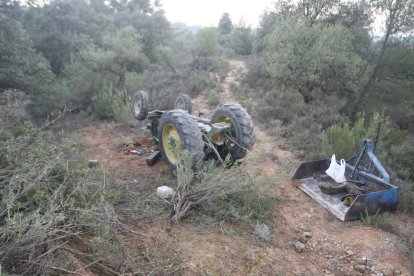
(220, 194)
(345, 140)
(284, 112)
(112, 103)
(213, 99)
(223, 67)
(82, 84)
(48, 196)
(378, 220)
(133, 82)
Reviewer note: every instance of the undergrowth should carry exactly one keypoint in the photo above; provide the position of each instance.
(222, 195)
(48, 198)
(378, 220)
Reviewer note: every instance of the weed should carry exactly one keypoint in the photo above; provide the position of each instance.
(214, 99)
(223, 67)
(48, 196)
(112, 103)
(378, 220)
(240, 96)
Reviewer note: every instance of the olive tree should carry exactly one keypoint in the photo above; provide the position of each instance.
(313, 58)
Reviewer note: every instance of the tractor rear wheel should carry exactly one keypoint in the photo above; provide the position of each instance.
(178, 131)
(241, 135)
(139, 105)
(183, 102)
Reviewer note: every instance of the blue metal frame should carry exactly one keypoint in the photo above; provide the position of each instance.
(368, 149)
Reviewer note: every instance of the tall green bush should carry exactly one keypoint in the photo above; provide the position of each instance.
(112, 103)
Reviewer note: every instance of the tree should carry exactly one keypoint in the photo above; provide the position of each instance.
(207, 42)
(399, 19)
(241, 40)
(314, 57)
(20, 66)
(122, 52)
(61, 28)
(225, 25)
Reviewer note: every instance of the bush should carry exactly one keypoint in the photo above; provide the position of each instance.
(48, 197)
(284, 111)
(213, 99)
(223, 67)
(219, 194)
(112, 103)
(378, 220)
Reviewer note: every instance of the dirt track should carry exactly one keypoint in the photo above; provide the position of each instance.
(335, 247)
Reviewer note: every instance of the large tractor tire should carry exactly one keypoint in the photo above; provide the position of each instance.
(241, 134)
(140, 105)
(178, 131)
(183, 102)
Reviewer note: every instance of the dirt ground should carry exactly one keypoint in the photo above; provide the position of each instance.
(330, 247)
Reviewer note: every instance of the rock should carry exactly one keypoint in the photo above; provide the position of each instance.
(360, 268)
(396, 272)
(304, 237)
(349, 252)
(364, 261)
(299, 246)
(262, 231)
(93, 163)
(165, 192)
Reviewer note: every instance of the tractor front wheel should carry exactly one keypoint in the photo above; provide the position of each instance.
(139, 105)
(240, 136)
(183, 102)
(177, 131)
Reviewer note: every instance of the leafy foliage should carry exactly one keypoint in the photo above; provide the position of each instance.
(206, 42)
(309, 57)
(112, 103)
(20, 66)
(241, 40)
(225, 25)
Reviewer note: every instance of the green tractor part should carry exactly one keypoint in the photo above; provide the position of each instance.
(229, 131)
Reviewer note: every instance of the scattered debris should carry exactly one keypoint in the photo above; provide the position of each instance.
(139, 151)
(153, 158)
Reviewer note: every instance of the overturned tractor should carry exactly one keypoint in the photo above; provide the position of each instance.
(228, 132)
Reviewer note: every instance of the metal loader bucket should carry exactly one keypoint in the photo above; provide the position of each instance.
(382, 196)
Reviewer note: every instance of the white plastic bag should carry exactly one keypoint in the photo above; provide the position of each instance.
(336, 171)
(165, 192)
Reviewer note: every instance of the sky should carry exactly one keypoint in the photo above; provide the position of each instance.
(208, 12)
